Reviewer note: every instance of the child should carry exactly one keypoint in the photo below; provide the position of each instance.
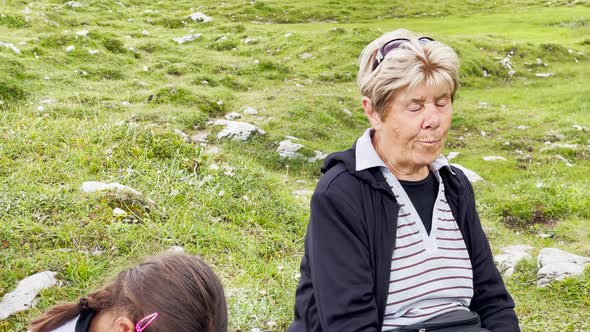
(168, 293)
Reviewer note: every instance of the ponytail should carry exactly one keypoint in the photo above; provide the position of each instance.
(60, 314)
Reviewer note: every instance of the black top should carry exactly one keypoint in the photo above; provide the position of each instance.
(423, 194)
(345, 269)
(84, 321)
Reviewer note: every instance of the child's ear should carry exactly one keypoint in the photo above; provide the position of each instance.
(124, 324)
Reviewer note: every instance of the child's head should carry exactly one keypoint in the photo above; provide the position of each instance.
(182, 290)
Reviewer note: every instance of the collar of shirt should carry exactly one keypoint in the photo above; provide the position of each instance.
(366, 156)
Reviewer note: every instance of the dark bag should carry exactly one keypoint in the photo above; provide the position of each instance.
(454, 321)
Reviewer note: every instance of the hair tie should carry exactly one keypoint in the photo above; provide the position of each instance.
(83, 304)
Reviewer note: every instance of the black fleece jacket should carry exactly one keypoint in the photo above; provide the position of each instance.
(349, 244)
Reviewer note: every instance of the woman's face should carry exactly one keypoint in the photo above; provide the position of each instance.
(415, 127)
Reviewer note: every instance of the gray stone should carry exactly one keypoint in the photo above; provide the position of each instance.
(319, 155)
(90, 187)
(471, 175)
(543, 74)
(233, 116)
(70, 48)
(493, 158)
(10, 46)
(175, 250)
(187, 38)
(250, 111)
(580, 128)
(554, 146)
(200, 17)
(452, 155)
(567, 162)
(288, 149)
(118, 212)
(74, 4)
(347, 111)
(239, 131)
(21, 298)
(304, 56)
(506, 63)
(557, 264)
(82, 33)
(510, 256)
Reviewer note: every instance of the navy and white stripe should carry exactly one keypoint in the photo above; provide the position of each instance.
(430, 274)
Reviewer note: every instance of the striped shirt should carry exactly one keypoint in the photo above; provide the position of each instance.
(430, 274)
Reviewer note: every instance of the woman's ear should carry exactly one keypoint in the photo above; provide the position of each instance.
(124, 324)
(373, 117)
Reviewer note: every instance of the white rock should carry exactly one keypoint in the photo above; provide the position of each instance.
(288, 149)
(125, 103)
(82, 33)
(347, 111)
(250, 111)
(580, 128)
(554, 146)
(304, 56)
(557, 264)
(567, 162)
(452, 155)
(47, 78)
(288, 34)
(506, 63)
(213, 151)
(145, 33)
(200, 17)
(175, 250)
(239, 131)
(250, 40)
(511, 73)
(255, 329)
(543, 74)
(510, 256)
(187, 38)
(484, 104)
(293, 138)
(70, 48)
(303, 193)
(10, 46)
(493, 158)
(74, 4)
(233, 116)
(90, 187)
(319, 155)
(40, 108)
(521, 127)
(483, 134)
(21, 298)
(93, 52)
(182, 134)
(118, 212)
(471, 175)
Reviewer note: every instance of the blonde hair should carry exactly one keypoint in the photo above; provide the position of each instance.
(433, 64)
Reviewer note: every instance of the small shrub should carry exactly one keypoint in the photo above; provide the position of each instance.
(16, 22)
(114, 45)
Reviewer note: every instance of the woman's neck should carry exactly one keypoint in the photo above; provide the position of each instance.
(401, 171)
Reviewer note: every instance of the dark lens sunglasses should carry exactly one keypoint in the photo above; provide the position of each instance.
(392, 45)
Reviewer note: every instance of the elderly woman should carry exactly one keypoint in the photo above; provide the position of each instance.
(394, 242)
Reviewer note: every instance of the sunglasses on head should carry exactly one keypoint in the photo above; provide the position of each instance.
(392, 45)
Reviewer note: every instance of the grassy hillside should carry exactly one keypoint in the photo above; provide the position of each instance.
(69, 116)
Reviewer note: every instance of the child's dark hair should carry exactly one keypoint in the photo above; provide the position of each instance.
(184, 291)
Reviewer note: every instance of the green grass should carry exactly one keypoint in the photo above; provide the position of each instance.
(253, 233)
